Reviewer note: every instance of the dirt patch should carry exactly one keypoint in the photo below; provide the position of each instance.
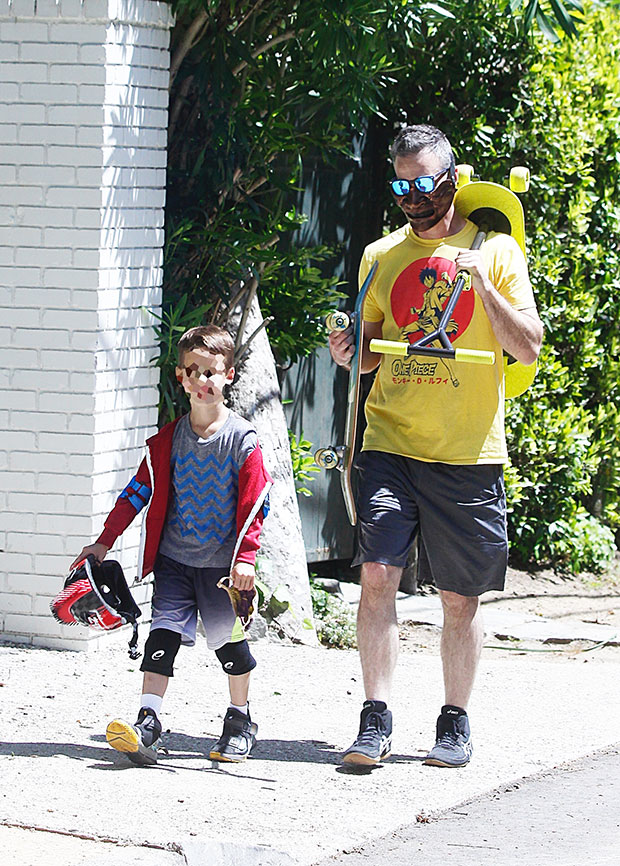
(585, 598)
(588, 597)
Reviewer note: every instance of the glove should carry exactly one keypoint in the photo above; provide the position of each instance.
(242, 600)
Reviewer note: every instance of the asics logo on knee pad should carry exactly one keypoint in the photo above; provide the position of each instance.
(160, 651)
(236, 658)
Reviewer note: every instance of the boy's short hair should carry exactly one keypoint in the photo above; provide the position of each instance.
(210, 337)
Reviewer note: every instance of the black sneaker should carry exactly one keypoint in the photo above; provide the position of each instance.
(139, 741)
(453, 747)
(374, 740)
(238, 737)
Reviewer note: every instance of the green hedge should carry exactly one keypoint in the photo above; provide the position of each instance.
(564, 435)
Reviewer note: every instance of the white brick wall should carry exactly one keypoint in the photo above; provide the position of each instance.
(83, 117)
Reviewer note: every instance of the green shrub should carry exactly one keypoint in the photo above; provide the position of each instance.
(564, 435)
(581, 543)
(304, 467)
(333, 619)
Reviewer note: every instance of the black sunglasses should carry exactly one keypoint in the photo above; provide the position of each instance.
(426, 183)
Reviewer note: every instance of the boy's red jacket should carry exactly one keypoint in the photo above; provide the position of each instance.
(151, 487)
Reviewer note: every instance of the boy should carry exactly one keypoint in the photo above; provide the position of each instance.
(206, 492)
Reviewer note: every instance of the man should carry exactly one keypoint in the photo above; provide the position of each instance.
(434, 443)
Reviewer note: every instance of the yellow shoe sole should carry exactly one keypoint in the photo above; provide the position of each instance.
(229, 759)
(124, 738)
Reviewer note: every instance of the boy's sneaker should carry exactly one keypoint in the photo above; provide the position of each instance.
(374, 740)
(139, 741)
(238, 737)
(453, 747)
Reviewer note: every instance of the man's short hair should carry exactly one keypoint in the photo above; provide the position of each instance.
(210, 337)
(412, 139)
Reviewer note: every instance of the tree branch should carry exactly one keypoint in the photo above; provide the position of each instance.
(275, 40)
(191, 36)
(239, 354)
(246, 311)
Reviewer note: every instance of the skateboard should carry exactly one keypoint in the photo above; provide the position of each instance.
(492, 207)
(341, 456)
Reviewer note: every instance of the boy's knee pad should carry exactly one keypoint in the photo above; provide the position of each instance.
(160, 651)
(236, 658)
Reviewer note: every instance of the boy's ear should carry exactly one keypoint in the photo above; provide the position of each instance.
(230, 375)
(179, 374)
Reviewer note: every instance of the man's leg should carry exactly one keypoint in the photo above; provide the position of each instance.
(377, 640)
(461, 645)
(377, 628)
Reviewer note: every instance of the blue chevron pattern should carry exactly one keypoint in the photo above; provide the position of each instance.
(204, 497)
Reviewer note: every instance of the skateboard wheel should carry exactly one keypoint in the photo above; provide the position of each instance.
(326, 458)
(337, 321)
(464, 174)
(519, 178)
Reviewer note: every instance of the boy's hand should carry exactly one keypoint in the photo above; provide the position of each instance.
(243, 575)
(98, 550)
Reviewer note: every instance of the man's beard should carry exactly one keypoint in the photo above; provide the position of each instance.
(433, 208)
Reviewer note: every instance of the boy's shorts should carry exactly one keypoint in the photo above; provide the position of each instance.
(181, 591)
(460, 512)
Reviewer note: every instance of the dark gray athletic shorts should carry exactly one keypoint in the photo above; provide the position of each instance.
(181, 591)
(460, 512)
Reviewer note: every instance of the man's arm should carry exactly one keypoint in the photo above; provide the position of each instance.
(341, 346)
(519, 332)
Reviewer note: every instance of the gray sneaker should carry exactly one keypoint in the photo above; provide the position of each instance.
(453, 747)
(374, 740)
(139, 741)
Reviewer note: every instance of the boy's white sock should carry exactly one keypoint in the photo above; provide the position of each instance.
(243, 709)
(154, 702)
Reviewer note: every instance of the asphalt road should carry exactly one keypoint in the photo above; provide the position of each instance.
(565, 817)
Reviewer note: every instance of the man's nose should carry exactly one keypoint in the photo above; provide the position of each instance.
(414, 196)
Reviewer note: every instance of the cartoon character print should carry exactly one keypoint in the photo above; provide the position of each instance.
(419, 296)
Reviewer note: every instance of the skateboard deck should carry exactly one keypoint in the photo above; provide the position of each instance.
(492, 207)
(341, 456)
(499, 205)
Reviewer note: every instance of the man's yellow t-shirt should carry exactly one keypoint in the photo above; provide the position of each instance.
(434, 409)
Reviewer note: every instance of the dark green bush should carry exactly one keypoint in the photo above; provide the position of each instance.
(564, 434)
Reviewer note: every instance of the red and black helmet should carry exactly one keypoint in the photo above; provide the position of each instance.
(96, 595)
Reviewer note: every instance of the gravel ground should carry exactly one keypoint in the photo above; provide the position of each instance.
(292, 802)
(528, 715)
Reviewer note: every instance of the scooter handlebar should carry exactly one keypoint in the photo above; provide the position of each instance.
(471, 356)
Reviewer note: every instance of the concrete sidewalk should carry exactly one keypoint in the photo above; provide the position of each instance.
(292, 803)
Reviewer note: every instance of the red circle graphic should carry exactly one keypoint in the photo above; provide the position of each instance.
(420, 294)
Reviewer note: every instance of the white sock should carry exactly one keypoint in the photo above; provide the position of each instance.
(154, 702)
(243, 709)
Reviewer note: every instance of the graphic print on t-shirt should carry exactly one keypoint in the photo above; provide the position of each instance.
(204, 497)
(419, 296)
